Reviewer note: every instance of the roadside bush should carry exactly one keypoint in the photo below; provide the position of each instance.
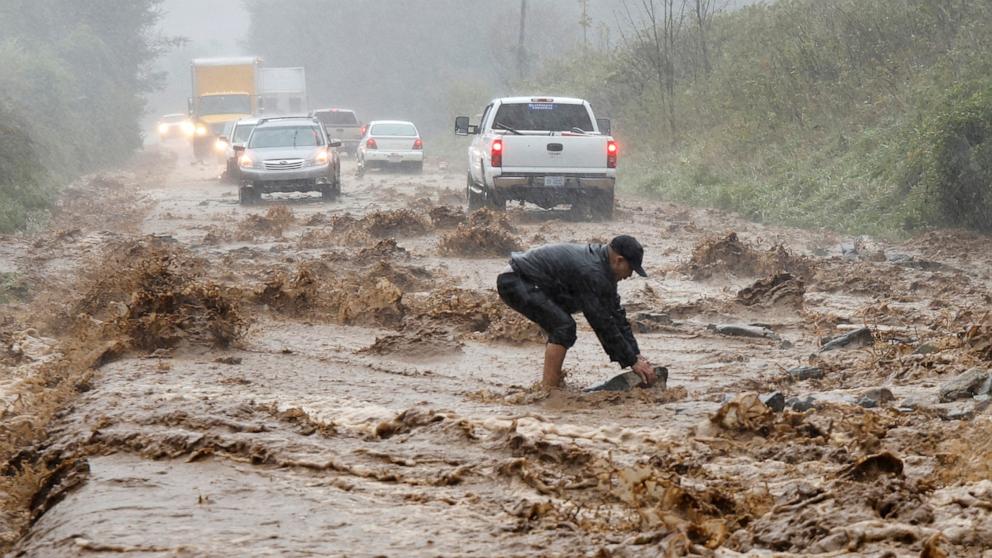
(24, 189)
(952, 163)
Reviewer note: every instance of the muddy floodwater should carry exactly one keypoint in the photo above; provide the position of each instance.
(184, 376)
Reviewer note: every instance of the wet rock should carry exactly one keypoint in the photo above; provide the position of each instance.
(630, 380)
(861, 337)
(774, 401)
(958, 411)
(743, 331)
(801, 373)
(801, 404)
(973, 382)
(877, 397)
(648, 322)
(914, 403)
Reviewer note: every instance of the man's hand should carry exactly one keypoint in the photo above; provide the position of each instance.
(644, 369)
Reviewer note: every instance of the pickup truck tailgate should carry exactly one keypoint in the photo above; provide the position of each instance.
(554, 152)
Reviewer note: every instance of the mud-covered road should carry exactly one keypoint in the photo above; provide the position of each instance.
(184, 376)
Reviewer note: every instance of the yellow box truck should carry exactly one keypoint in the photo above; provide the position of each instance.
(224, 90)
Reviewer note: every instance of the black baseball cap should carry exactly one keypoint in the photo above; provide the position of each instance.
(631, 250)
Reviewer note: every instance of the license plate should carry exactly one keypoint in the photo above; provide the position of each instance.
(394, 156)
(554, 181)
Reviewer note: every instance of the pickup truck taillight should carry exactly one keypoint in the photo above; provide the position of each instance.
(371, 144)
(496, 153)
(611, 154)
(418, 144)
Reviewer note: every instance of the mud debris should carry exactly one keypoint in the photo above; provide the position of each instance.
(730, 255)
(485, 234)
(417, 344)
(783, 289)
(446, 217)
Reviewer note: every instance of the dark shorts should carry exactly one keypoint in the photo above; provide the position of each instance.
(528, 299)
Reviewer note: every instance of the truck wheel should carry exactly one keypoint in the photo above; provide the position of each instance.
(603, 207)
(475, 201)
(495, 203)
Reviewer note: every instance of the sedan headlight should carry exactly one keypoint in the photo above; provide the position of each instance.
(188, 128)
(163, 128)
(201, 130)
(220, 146)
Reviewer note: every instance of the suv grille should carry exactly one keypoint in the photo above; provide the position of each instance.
(283, 164)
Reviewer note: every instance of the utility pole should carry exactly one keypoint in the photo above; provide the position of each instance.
(521, 51)
(585, 22)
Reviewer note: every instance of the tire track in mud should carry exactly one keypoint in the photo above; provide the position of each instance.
(376, 398)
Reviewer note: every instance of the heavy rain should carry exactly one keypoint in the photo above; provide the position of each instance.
(364, 278)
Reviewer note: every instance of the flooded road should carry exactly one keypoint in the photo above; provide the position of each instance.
(301, 378)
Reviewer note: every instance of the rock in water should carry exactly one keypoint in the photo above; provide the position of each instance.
(774, 401)
(744, 331)
(630, 379)
(858, 338)
(805, 373)
(971, 383)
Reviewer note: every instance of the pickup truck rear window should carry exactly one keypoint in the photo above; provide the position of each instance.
(552, 117)
(337, 118)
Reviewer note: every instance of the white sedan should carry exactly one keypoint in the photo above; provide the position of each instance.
(391, 143)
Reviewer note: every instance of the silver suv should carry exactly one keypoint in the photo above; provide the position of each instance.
(289, 154)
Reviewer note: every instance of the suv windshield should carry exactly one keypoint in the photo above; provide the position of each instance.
(225, 104)
(241, 133)
(398, 129)
(295, 136)
(553, 117)
(337, 118)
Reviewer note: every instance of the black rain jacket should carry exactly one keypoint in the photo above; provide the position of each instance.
(578, 278)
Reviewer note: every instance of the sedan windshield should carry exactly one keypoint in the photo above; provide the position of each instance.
(394, 129)
(225, 104)
(554, 117)
(295, 136)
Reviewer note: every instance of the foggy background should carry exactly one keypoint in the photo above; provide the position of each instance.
(420, 60)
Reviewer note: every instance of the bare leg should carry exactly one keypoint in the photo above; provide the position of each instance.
(554, 357)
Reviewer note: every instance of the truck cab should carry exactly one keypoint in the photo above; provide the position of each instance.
(224, 90)
(548, 151)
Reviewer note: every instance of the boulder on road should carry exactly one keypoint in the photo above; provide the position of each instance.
(968, 384)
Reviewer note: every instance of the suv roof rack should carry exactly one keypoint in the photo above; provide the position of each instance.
(297, 117)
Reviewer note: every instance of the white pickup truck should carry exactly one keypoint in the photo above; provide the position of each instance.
(544, 150)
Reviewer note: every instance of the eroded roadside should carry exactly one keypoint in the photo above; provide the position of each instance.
(302, 378)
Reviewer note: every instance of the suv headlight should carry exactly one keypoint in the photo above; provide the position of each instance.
(245, 162)
(321, 158)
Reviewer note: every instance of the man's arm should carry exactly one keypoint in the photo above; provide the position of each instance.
(620, 318)
(618, 341)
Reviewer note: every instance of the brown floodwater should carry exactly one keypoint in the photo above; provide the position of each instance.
(339, 379)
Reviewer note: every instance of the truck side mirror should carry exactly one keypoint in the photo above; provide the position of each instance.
(462, 126)
(335, 143)
(604, 125)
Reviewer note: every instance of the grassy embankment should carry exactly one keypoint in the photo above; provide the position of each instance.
(864, 117)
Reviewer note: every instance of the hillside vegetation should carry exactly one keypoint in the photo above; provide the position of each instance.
(71, 78)
(859, 116)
